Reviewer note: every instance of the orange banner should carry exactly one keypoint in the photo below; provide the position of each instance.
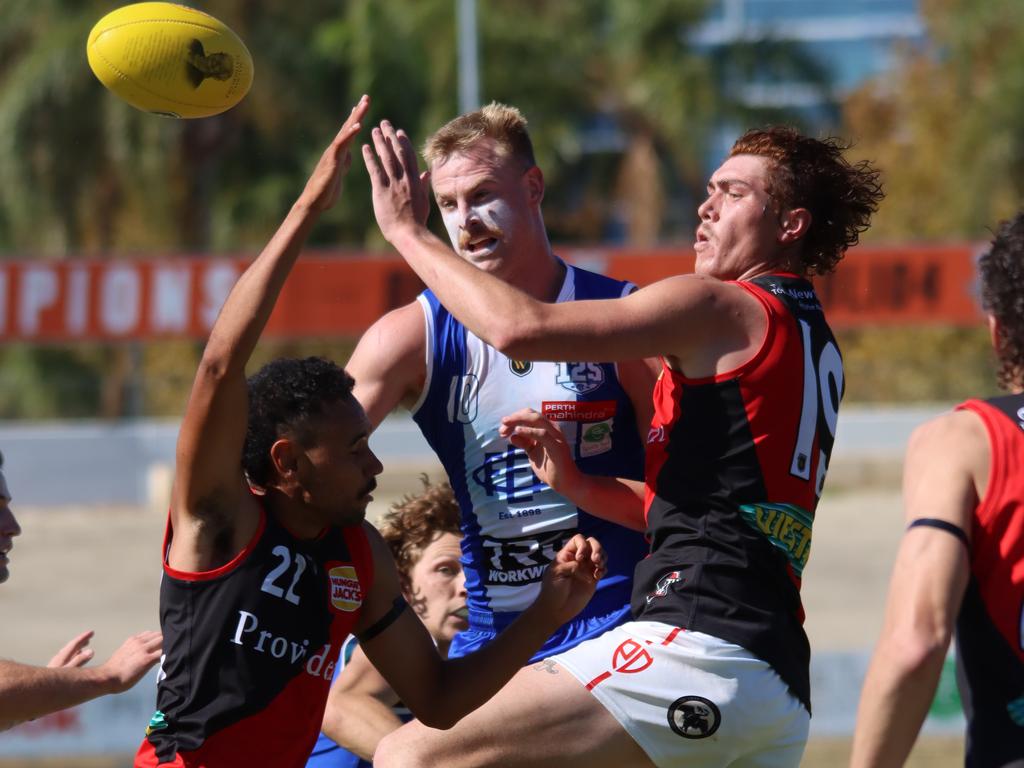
(342, 294)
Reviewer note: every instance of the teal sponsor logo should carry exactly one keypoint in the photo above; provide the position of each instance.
(157, 722)
(787, 526)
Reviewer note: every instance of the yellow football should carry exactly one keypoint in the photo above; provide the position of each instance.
(170, 60)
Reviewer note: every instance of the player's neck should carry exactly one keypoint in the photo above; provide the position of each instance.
(294, 516)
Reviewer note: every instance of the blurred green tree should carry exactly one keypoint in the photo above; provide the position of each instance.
(948, 127)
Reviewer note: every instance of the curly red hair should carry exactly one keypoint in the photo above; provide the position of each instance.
(813, 174)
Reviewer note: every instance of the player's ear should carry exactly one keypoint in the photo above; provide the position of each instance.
(284, 455)
(534, 180)
(995, 333)
(793, 224)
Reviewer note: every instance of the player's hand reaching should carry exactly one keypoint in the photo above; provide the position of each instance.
(569, 582)
(546, 447)
(132, 660)
(324, 185)
(400, 196)
(75, 653)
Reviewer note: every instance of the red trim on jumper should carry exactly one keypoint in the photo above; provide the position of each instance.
(360, 552)
(755, 359)
(216, 572)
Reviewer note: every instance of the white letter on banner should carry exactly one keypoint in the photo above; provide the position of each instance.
(38, 291)
(3, 300)
(169, 303)
(218, 281)
(120, 297)
(76, 302)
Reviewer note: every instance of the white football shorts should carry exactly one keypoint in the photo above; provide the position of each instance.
(690, 699)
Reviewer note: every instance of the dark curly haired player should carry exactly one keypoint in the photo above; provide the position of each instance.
(714, 668)
(268, 570)
(961, 560)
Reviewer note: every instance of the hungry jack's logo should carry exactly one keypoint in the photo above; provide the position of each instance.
(346, 592)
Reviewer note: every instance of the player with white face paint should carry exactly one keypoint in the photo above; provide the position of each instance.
(489, 191)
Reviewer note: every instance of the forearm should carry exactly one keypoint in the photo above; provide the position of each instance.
(898, 691)
(358, 723)
(28, 692)
(615, 499)
(480, 301)
(462, 685)
(249, 304)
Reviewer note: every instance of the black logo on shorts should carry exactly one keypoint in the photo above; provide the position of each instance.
(520, 367)
(694, 717)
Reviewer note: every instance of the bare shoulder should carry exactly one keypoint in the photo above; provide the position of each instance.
(389, 362)
(947, 467)
(401, 330)
(954, 434)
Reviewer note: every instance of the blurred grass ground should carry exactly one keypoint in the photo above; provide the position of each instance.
(821, 753)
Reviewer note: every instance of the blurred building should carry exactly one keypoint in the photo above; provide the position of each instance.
(786, 59)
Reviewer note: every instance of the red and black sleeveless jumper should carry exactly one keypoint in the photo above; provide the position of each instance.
(250, 648)
(990, 626)
(735, 466)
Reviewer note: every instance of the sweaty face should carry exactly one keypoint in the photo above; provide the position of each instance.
(483, 201)
(338, 471)
(738, 230)
(9, 528)
(437, 589)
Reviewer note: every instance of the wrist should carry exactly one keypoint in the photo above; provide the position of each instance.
(104, 678)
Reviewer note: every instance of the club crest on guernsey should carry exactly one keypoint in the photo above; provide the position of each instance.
(661, 588)
(520, 367)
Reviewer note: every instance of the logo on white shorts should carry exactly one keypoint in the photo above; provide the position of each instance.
(694, 717)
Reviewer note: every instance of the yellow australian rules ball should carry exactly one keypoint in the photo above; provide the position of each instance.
(170, 60)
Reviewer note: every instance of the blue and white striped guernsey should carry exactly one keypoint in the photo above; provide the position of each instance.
(513, 524)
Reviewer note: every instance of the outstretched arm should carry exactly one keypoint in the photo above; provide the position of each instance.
(359, 709)
(615, 499)
(28, 692)
(441, 692)
(667, 318)
(946, 469)
(208, 485)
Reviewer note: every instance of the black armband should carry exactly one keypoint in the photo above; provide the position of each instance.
(942, 525)
(384, 621)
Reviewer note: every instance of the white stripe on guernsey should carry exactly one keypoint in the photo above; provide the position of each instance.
(428, 327)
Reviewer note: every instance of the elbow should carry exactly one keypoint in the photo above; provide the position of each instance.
(435, 712)
(517, 339)
(439, 720)
(918, 650)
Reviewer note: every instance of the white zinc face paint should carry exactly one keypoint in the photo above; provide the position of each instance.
(477, 234)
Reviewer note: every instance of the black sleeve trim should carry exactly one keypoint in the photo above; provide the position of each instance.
(384, 621)
(942, 525)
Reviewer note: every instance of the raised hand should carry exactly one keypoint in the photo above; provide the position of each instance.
(324, 185)
(569, 582)
(549, 454)
(75, 653)
(400, 196)
(131, 661)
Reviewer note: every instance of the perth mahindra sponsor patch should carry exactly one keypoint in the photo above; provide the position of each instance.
(578, 410)
(346, 592)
